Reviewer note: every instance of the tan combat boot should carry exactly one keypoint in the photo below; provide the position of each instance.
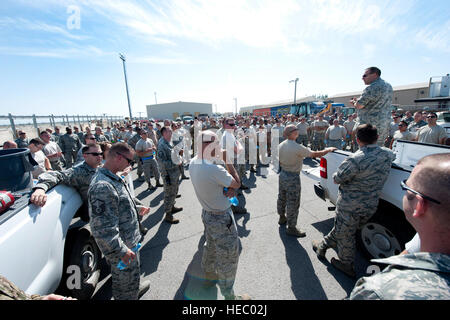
(320, 248)
(170, 219)
(293, 231)
(282, 219)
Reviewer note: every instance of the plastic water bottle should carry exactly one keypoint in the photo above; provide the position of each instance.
(121, 265)
(234, 201)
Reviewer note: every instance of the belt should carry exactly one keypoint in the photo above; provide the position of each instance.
(290, 172)
(216, 212)
(148, 158)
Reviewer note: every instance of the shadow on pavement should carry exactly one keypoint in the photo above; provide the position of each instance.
(191, 288)
(304, 282)
(324, 226)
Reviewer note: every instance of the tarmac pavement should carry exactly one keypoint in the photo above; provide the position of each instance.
(272, 265)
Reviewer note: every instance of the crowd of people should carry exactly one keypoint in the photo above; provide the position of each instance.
(218, 153)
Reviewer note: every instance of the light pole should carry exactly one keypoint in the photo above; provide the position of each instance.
(122, 57)
(295, 90)
(156, 102)
(235, 105)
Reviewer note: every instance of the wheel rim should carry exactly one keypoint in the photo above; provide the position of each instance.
(379, 241)
(89, 261)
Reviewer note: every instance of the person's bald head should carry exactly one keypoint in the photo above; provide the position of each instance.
(9, 145)
(431, 176)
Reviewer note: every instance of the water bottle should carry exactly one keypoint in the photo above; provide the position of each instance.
(234, 201)
(121, 265)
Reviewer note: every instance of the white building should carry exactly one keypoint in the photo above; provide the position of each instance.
(174, 110)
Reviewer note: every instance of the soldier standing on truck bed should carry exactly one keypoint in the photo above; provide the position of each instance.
(360, 177)
(375, 103)
(114, 222)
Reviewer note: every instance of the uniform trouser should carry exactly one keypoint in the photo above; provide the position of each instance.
(350, 216)
(56, 165)
(289, 192)
(150, 167)
(182, 170)
(221, 253)
(318, 142)
(71, 158)
(335, 143)
(125, 283)
(140, 168)
(302, 139)
(348, 142)
(171, 185)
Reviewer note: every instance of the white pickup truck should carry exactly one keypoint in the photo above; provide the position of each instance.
(48, 249)
(388, 230)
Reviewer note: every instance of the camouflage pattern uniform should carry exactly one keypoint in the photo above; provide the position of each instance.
(170, 172)
(78, 177)
(21, 143)
(418, 276)
(377, 101)
(115, 227)
(132, 142)
(318, 138)
(221, 254)
(70, 144)
(289, 192)
(303, 133)
(101, 138)
(149, 164)
(9, 291)
(360, 177)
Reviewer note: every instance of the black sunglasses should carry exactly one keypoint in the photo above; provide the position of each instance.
(95, 154)
(405, 187)
(431, 116)
(231, 124)
(130, 162)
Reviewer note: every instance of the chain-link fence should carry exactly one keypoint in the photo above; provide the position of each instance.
(33, 125)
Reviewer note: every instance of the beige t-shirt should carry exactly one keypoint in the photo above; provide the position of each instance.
(336, 133)
(302, 128)
(431, 134)
(39, 157)
(320, 124)
(143, 145)
(209, 180)
(291, 155)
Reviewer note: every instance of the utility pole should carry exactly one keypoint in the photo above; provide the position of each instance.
(295, 90)
(156, 102)
(235, 105)
(122, 57)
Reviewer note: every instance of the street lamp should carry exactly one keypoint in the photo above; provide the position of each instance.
(156, 102)
(122, 57)
(295, 90)
(235, 105)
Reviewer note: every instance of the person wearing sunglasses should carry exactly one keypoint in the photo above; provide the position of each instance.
(361, 177)
(423, 275)
(402, 133)
(114, 221)
(432, 133)
(374, 105)
(79, 177)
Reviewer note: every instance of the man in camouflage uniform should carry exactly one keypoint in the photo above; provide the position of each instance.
(424, 275)
(169, 168)
(221, 254)
(70, 144)
(114, 222)
(291, 155)
(22, 141)
(335, 135)
(374, 105)
(319, 127)
(303, 128)
(132, 140)
(348, 125)
(79, 177)
(146, 150)
(99, 136)
(360, 177)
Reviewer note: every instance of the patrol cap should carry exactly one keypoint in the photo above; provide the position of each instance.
(289, 129)
(21, 132)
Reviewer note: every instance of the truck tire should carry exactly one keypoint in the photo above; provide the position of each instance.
(85, 254)
(385, 234)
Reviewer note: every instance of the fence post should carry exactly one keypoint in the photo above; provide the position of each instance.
(13, 127)
(53, 125)
(68, 122)
(35, 124)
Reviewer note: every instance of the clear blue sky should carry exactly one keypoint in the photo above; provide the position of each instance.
(61, 57)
